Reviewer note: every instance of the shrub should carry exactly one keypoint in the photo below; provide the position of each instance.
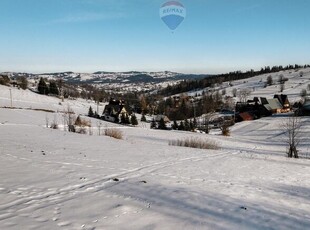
(115, 133)
(225, 131)
(195, 143)
(54, 125)
(81, 130)
(82, 122)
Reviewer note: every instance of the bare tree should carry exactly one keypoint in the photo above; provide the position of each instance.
(303, 93)
(206, 121)
(269, 80)
(244, 94)
(291, 128)
(281, 79)
(234, 92)
(282, 87)
(69, 119)
(99, 125)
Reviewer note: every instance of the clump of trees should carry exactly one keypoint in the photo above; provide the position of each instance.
(4, 80)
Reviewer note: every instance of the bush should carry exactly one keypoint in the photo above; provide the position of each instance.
(54, 125)
(82, 122)
(115, 133)
(195, 143)
(225, 131)
(81, 130)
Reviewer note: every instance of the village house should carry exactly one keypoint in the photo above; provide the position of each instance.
(283, 99)
(114, 110)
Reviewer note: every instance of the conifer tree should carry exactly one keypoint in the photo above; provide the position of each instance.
(143, 118)
(175, 125)
(186, 125)
(162, 124)
(134, 120)
(153, 124)
(42, 87)
(23, 82)
(53, 88)
(90, 112)
(181, 126)
(124, 119)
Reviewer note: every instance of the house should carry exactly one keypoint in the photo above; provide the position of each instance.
(274, 106)
(283, 99)
(114, 110)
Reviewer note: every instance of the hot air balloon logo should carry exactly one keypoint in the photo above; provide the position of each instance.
(172, 13)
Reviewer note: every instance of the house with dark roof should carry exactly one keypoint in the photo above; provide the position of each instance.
(283, 99)
(114, 110)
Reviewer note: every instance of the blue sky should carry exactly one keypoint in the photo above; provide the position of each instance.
(121, 35)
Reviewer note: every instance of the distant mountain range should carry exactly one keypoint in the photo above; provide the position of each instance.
(101, 77)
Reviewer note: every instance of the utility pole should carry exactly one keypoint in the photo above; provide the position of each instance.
(11, 98)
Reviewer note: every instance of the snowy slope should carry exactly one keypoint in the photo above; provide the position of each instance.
(293, 86)
(27, 99)
(51, 179)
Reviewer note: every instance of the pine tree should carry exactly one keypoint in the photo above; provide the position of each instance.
(42, 87)
(53, 88)
(124, 119)
(186, 125)
(143, 118)
(23, 82)
(162, 124)
(90, 112)
(153, 124)
(134, 120)
(175, 125)
(181, 126)
(191, 125)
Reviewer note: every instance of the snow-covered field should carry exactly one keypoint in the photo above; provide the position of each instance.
(51, 179)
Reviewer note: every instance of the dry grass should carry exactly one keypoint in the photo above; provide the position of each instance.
(54, 125)
(81, 130)
(82, 122)
(115, 133)
(226, 131)
(195, 143)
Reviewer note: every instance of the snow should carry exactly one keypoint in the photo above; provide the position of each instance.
(51, 179)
